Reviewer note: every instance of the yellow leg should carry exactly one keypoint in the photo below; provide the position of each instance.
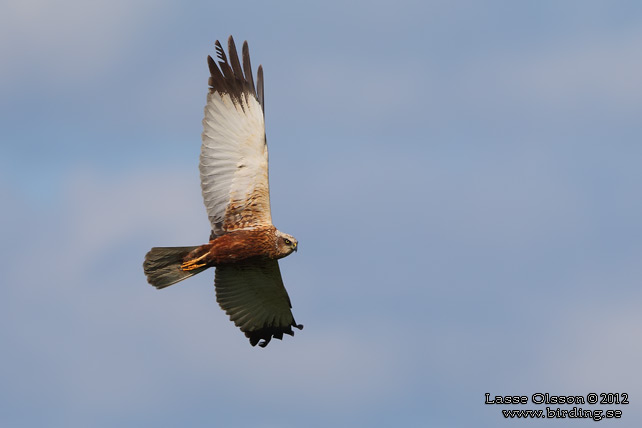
(193, 264)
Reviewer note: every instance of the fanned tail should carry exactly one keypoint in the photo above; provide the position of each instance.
(163, 266)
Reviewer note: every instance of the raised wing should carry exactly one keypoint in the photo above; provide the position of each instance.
(254, 297)
(234, 157)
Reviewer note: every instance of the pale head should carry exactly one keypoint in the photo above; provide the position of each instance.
(285, 244)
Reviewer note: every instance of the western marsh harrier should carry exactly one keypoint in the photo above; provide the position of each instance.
(244, 246)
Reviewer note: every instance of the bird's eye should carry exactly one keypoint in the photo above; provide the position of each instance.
(287, 241)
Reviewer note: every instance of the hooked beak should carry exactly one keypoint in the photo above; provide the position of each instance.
(296, 246)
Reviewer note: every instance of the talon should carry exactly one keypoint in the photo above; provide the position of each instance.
(186, 267)
(193, 264)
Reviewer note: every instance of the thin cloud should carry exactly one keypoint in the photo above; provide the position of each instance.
(69, 42)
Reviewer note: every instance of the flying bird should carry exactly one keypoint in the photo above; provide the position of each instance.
(244, 246)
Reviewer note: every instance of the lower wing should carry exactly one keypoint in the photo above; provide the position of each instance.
(253, 295)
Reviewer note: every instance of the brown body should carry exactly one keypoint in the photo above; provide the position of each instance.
(260, 243)
(237, 246)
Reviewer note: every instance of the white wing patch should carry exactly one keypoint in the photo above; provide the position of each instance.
(234, 163)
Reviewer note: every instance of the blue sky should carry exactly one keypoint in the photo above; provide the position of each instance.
(464, 179)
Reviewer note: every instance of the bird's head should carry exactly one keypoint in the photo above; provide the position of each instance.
(285, 244)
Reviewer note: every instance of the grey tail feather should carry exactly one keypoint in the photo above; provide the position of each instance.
(162, 266)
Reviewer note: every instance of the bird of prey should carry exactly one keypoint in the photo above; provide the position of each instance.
(244, 246)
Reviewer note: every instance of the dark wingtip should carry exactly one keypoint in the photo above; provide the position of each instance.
(247, 66)
(220, 52)
(259, 88)
(264, 335)
(230, 76)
